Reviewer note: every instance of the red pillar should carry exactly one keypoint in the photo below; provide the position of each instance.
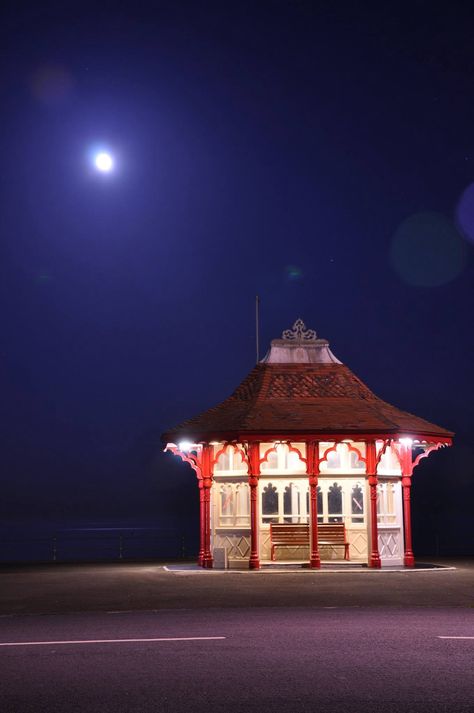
(407, 471)
(254, 472)
(374, 560)
(207, 560)
(312, 468)
(409, 559)
(202, 527)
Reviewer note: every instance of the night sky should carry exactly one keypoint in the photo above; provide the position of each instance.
(318, 154)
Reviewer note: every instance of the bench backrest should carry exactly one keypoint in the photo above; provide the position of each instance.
(288, 533)
(334, 532)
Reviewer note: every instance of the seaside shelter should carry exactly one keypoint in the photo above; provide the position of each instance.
(304, 463)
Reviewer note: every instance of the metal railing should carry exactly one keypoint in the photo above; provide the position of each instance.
(94, 544)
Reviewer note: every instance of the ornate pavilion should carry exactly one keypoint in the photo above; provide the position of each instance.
(303, 440)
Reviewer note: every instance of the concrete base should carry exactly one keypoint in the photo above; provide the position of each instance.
(237, 564)
(220, 558)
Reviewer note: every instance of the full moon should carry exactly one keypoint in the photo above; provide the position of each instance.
(104, 162)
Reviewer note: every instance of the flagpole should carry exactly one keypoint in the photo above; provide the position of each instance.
(257, 340)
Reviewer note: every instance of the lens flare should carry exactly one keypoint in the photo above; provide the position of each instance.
(294, 273)
(52, 84)
(427, 250)
(465, 213)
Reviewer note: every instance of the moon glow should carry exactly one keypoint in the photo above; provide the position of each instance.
(104, 162)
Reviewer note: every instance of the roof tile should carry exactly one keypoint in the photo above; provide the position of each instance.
(285, 399)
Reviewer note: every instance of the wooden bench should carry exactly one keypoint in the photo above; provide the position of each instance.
(333, 534)
(288, 535)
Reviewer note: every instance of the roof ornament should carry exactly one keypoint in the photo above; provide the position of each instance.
(299, 333)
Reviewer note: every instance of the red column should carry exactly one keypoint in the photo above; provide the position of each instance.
(202, 526)
(312, 468)
(207, 559)
(254, 472)
(407, 471)
(374, 560)
(409, 559)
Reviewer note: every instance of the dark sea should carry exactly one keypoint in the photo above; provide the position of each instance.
(93, 541)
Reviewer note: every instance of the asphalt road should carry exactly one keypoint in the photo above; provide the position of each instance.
(273, 659)
(358, 641)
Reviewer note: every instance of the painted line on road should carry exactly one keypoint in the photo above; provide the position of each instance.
(455, 637)
(111, 641)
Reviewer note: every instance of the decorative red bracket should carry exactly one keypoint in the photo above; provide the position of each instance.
(350, 448)
(193, 456)
(405, 455)
(382, 451)
(242, 453)
(429, 449)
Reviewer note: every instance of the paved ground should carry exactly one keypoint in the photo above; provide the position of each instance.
(70, 588)
(235, 641)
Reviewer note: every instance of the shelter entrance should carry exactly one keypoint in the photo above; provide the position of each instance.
(340, 500)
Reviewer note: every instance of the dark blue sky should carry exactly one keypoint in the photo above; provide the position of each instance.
(313, 153)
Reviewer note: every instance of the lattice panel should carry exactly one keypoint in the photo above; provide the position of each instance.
(265, 544)
(237, 546)
(390, 545)
(357, 544)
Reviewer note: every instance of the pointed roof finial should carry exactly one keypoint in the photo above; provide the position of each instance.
(300, 333)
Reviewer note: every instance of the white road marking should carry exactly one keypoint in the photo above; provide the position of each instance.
(111, 641)
(455, 637)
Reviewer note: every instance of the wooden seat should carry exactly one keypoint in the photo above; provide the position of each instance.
(333, 534)
(288, 535)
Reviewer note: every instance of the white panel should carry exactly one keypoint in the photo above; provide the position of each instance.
(265, 544)
(390, 546)
(390, 532)
(358, 546)
(236, 544)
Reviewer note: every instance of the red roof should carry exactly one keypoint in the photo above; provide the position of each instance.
(279, 400)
